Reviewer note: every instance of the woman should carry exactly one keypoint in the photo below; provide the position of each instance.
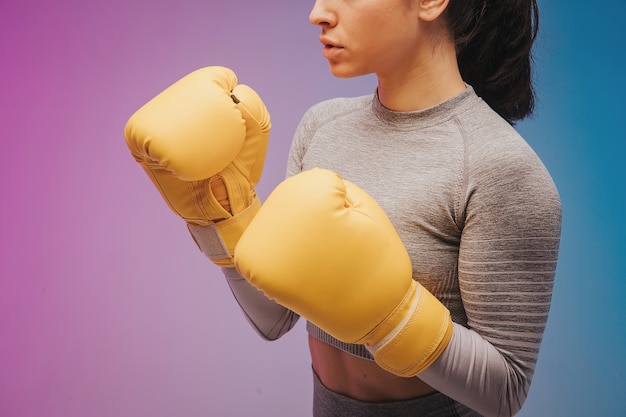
(476, 210)
(473, 205)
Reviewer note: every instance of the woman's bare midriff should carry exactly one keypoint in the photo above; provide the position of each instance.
(360, 378)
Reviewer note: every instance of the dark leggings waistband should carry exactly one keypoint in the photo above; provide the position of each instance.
(327, 403)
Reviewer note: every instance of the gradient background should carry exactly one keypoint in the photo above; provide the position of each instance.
(106, 307)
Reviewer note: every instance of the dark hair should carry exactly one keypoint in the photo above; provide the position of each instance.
(494, 40)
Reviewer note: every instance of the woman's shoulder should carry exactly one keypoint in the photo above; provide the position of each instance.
(337, 107)
(497, 155)
(487, 133)
(323, 114)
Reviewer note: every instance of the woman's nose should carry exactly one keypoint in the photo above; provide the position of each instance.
(322, 15)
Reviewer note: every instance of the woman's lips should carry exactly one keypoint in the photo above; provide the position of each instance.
(330, 49)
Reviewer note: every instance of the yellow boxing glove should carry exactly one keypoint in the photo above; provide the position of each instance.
(325, 249)
(203, 141)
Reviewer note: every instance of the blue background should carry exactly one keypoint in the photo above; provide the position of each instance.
(106, 306)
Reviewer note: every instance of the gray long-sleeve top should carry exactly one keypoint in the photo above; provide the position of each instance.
(479, 216)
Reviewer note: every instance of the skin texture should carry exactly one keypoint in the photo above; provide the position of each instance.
(359, 378)
(403, 42)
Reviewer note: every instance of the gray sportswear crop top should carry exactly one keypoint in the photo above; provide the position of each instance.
(479, 216)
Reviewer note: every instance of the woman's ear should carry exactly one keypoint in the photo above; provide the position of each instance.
(429, 10)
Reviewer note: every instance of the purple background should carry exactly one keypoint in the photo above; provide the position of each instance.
(106, 306)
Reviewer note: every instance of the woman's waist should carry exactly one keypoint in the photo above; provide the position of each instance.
(361, 378)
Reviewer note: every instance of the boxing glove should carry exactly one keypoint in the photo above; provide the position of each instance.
(202, 142)
(325, 249)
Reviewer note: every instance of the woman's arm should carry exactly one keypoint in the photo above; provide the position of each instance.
(268, 318)
(506, 268)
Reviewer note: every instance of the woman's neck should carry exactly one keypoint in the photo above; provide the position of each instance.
(426, 81)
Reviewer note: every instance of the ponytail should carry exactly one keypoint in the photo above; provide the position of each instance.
(494, 40)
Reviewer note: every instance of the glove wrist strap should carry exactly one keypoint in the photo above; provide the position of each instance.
(218, 240)
(413, 343)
